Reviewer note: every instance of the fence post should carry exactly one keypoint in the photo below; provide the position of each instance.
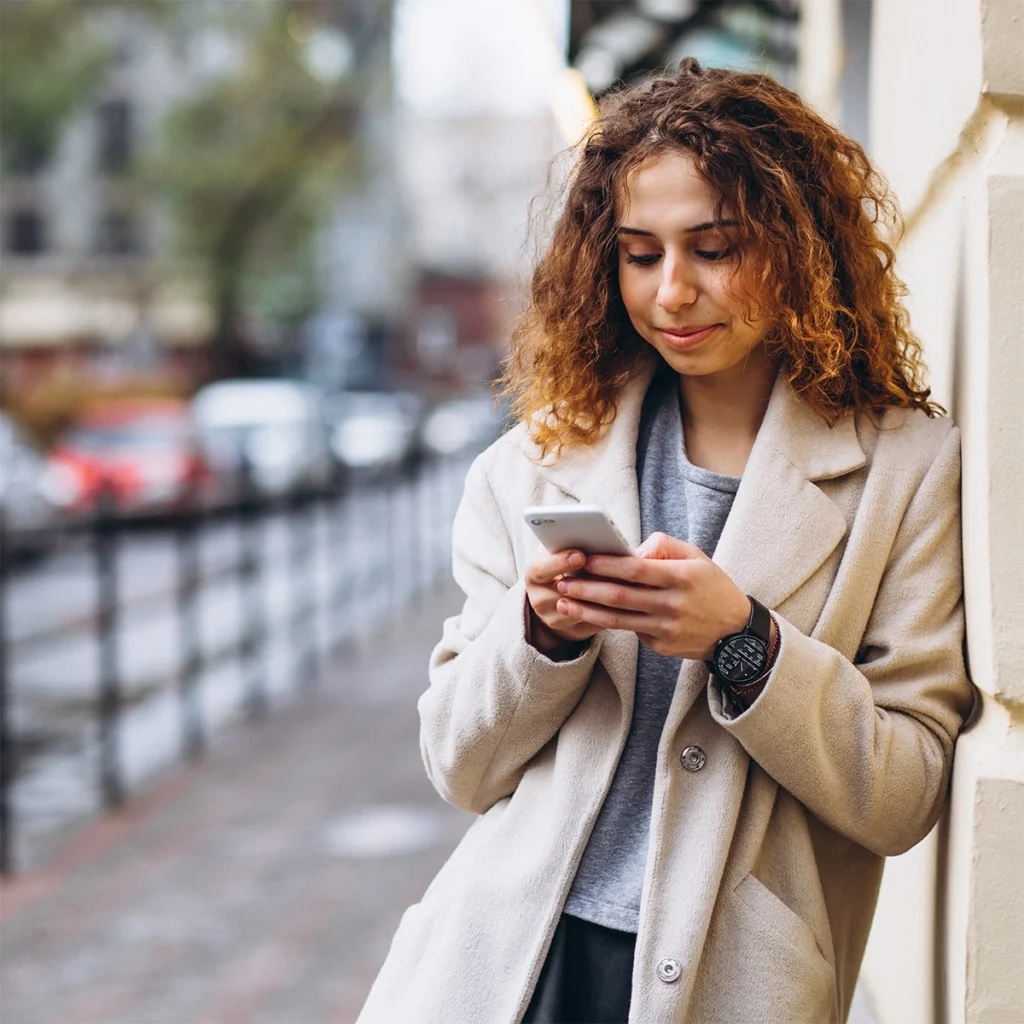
(392, 549)
(300, 619)
(361, 606)
(187, 529)
(6, 735)
(105, 536)
(337, 546)
(250, 581)
(315, 662)
(420, 556)
(447, 477)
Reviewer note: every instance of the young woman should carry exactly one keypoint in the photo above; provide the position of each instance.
(688, 770)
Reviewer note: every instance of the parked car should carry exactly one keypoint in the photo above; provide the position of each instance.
(374, 433)
(25, 495)
(271, 430)
(143, 451)
(463, 424)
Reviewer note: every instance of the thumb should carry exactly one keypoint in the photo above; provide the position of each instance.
(661, 545)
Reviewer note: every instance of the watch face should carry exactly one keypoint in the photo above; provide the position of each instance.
(741, 658)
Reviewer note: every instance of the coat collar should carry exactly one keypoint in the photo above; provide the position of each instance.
(782, 526)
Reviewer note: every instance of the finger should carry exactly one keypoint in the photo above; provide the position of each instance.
(663, 545)
(548, 568)
(648, 572)
(612, 594)
(549, 618)
(606, 618)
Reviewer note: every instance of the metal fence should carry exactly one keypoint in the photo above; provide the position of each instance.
(347, 559)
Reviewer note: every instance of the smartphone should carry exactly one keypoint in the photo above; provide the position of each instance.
(585, 527)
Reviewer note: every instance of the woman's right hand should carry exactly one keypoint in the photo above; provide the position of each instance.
(554, 635)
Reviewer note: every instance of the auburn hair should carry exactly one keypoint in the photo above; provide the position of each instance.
(813, 216)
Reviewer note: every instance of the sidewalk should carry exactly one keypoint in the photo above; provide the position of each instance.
(261, 886)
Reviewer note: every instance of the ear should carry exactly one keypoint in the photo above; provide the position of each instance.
(661, 545)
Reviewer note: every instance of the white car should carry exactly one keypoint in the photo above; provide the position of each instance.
(469, 423)
(374, 433)
(27, 494)
(273, 430)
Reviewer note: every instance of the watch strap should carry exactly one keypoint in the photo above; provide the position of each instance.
(744, 694)
(760, 620)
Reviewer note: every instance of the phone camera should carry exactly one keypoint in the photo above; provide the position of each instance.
(535, 522)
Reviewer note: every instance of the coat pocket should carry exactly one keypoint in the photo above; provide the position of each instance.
(761, 965)
(782, 920)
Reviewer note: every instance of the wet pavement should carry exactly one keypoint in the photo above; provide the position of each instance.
(262, 885)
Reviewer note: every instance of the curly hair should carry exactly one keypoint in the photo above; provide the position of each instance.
(812, 210)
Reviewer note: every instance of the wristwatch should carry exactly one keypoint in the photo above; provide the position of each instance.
(741, 657)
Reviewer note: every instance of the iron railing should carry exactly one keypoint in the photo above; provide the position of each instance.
(410, 514)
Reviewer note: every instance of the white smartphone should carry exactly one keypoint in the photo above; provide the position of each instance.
(585, 527)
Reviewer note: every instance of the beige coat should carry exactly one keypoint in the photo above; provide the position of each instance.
(763, 867)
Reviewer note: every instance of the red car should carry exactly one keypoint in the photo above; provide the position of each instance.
(145, 452)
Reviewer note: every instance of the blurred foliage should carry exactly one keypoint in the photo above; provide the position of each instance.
(57, 402)
(48, 66)
(249, 165)
(246, 163)
(51, 64)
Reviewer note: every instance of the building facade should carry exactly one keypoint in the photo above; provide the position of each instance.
(947, 129)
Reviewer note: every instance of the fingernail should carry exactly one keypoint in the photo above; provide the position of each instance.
(576, 560)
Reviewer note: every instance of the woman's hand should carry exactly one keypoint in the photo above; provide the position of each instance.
(677, 601)
(552, 633)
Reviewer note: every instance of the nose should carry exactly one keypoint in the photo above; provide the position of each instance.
(678, 287)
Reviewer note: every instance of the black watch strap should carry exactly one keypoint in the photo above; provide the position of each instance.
(760, 623)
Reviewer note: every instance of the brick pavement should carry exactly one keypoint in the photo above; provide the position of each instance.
(223, 895)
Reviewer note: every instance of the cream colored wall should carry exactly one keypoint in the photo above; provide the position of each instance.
(948, 132)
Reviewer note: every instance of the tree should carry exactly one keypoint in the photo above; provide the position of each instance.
(249, 164)
(47, 66)
(246, 163)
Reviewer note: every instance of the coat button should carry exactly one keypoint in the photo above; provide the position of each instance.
(692, 759)
(669, 970)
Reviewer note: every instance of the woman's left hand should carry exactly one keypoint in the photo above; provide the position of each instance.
(677, 601)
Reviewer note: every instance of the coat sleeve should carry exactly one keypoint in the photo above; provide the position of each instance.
(868, 747)
(494, 701)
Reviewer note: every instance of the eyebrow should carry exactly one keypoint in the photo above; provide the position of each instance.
(626, 230)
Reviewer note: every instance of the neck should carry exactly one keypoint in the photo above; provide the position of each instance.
(729, 405)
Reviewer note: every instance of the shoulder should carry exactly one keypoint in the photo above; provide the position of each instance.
(911, 457)
(908, 435)
(514, 449)
(506, 466)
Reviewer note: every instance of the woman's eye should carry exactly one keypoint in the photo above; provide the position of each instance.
(643, 261)
(712, 254)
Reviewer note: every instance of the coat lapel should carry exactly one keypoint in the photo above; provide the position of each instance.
(782, 526)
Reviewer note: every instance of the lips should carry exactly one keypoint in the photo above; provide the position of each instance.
(686, 337)
(686, 332)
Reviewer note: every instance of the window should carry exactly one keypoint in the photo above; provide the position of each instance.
(118, 234)
(29, 157)
(115, 143)
(25, 234)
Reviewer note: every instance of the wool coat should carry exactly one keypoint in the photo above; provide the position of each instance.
(763, 866)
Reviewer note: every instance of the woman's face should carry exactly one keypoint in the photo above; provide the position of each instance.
(678, 272)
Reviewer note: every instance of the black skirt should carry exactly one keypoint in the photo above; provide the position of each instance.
(586, 978)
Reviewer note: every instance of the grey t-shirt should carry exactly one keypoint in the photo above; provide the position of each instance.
(692, 504)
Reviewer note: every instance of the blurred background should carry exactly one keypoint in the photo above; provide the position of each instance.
(260, 259)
